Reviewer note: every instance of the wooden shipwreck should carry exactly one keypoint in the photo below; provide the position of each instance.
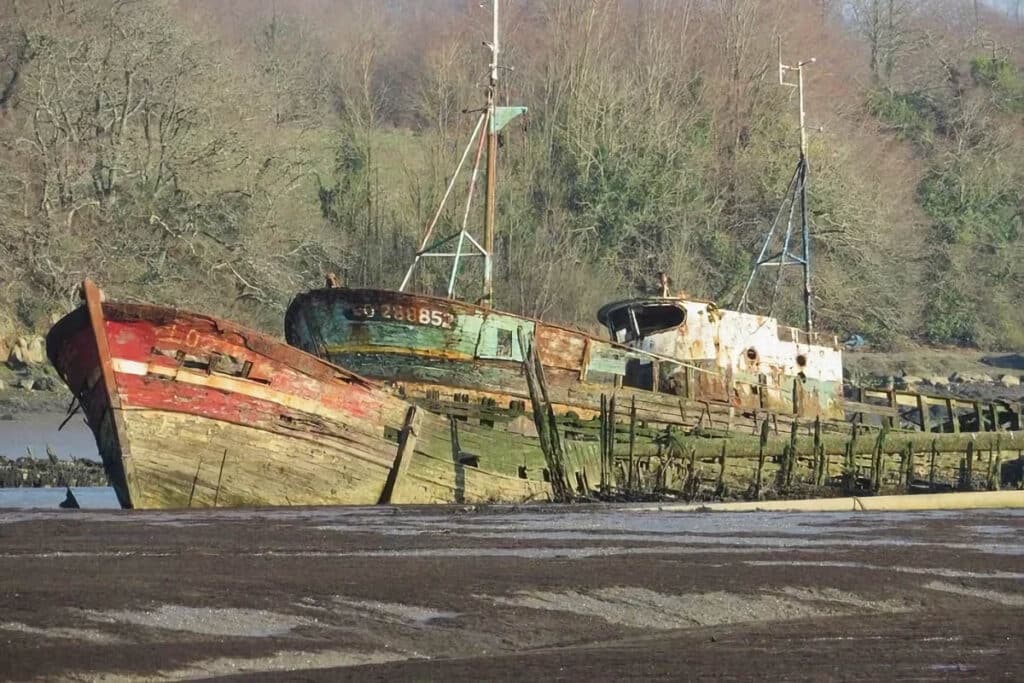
(192, 411)
(702, 410)
(682, 398)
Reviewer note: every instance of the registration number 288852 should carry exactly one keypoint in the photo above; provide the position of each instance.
(418, 315)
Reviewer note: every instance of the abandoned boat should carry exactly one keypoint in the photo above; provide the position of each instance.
(447, 350)
(687, 369)
(192, 411)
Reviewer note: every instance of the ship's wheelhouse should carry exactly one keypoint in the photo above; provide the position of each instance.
(729, 355)
(631, 321)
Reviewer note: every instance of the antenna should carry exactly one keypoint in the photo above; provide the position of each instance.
(796, 195)
(799, 85)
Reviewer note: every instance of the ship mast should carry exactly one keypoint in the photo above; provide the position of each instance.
(485, 135)
(796, 196)
(490, 201)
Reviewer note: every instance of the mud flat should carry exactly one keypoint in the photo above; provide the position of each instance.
(483, 594)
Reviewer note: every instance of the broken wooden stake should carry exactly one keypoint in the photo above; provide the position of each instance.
(406, 446)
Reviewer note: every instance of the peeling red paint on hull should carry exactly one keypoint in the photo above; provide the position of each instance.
(192, 411)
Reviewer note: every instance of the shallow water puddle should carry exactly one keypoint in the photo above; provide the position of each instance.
(213, 621)
(643, 608)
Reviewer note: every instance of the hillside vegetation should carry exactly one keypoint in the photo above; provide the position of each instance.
(223, 155)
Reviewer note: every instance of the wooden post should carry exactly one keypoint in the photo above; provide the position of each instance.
(953, 419)
(923, 408)
(893, 420)
(979, 416)
(993, 410)
(758, 482)
(544, 419)
(406, 447)
(603, 440)
(908, 474)
(632, 443)
(931, 473)
(969, 483)
(816, 473)
(693, 484)
(877, 466)
(850, 464)
(721, 470)
(791, 460)
(610, 440)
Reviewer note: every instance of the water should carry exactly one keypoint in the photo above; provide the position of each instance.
(36, 431)
(89, 498)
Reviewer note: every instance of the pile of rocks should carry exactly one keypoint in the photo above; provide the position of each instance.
(28, 472)
(25, 352)
(26, 356)
(1008, 381)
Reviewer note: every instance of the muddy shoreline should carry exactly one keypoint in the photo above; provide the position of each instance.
(465, 593)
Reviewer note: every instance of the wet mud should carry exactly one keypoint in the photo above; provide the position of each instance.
(509, 593)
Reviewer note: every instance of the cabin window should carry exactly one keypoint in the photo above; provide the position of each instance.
(498, 342)
(639, 374)
(503, 346)
(635, 322)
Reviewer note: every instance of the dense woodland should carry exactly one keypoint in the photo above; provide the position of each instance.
(223, 155)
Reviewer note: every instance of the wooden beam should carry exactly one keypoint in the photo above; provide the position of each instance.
(953, 418)
(406, 447)
(923, 408)
(894, 420)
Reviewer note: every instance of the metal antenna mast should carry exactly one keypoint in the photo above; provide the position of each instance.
(796, 195)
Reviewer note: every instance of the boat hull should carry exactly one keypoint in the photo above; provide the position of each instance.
(438, 346)
(191, 411)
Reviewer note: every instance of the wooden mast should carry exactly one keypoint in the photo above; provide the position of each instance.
(492, 158)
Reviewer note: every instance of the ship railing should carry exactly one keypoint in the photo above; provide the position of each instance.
(900, 409)
(798, 336)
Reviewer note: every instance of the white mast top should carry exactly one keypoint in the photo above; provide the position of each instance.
(495, 48)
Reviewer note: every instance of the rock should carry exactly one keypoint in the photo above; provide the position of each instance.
(971, 378)
(25, 383)
(938, 380)
(70, 502)
(908, 381)
(27, 351)
(2, 385)
(44, 384)
(1009, 381)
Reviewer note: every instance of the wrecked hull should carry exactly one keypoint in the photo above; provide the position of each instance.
(692, 435)
(192, 411)
(426, 345)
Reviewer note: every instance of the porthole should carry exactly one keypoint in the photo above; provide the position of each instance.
(752, 354)
(801, 360)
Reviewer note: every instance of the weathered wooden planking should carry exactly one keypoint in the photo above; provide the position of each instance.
(217, 415)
